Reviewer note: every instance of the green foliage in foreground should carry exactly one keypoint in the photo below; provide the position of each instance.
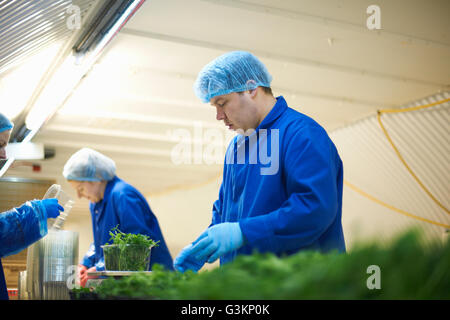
(408, 268)
(78, 293)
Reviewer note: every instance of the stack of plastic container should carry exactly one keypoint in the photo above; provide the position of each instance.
(58, 257)
(51, 262)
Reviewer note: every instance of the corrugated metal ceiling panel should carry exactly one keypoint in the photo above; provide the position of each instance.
(28, 26)
(371, 164)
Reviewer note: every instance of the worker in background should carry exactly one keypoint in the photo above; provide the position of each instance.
(22, 226)
(292, 202)
(112, 202)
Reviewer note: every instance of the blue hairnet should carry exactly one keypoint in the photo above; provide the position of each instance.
(235, 71)
(5, 124)
(89, 165)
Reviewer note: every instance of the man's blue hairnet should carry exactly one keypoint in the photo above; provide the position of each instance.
(5, 123)
(235, 71)
(89, 165)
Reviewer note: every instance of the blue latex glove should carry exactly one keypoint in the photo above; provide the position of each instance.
(52, 207)
(185, 261)
(217, 240)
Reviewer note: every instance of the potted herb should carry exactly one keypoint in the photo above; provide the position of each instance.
(128, 251)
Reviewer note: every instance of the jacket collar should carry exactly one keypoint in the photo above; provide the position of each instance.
(278, 109)
(109, 186)
(107, 192)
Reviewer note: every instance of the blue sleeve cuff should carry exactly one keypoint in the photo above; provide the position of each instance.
(88, 259)
(86, 262)
(100, 266)
(41, 214)
(257, 233)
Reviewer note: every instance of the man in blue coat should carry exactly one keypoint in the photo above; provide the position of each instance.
(24, 225)
(112, 202)
(282, 179)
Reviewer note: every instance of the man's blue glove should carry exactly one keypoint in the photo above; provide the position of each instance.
(217, 241)
(185, 261)
(52, 207)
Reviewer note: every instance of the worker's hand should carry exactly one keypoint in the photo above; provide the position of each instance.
(85, 278)
(82, 274)
(52, 207)
(217, 241)
(185, 261)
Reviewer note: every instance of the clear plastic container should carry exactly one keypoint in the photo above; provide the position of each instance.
(55, 191)
(126, 257)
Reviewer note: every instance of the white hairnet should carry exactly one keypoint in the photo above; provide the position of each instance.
(89, 165)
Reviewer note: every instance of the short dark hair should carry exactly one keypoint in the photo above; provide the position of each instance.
(267, 90)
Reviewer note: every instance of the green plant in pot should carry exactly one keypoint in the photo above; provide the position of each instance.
(128, 251)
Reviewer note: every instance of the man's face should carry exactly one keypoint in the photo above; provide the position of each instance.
(237, 110)
(4, 138)
(91, 190)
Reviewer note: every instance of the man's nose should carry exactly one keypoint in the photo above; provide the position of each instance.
(220, 115)
(2, 153)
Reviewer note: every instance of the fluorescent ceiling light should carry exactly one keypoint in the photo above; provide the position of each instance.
(17, 85)
(25, 151)
(117, 26)
(54, 93)
(4, 165)
(68, 76)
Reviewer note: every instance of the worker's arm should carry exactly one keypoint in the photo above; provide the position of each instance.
(217, 209)
(311, 168)
(218, 204)
(22, 226)
(89, 258)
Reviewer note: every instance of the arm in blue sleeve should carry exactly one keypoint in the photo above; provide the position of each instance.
(89, 257)
(22, 226)
(100, 265)
(310, 166)
(217, 209)
(218, 204)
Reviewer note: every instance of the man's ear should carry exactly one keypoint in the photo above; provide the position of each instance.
(253, 93)
(251, 84)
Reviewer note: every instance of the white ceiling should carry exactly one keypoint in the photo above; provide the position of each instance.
(323, 59)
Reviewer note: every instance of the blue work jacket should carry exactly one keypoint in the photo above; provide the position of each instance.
(286, 193)
(19, 228)
(125, 206)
